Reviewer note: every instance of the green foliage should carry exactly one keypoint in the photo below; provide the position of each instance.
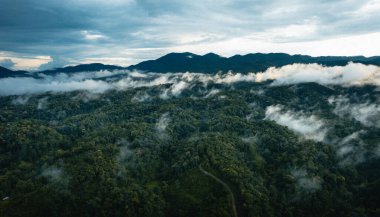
(106, 157)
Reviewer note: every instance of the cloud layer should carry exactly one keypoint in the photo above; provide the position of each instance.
(99, 82)
(351, 74)
(308, 126)
(366, 113)
(128, 31)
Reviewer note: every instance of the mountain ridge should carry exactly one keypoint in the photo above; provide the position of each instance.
(253, 62)
(4, 72)
(209, 63)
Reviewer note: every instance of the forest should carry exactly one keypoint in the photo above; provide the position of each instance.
(189, 145)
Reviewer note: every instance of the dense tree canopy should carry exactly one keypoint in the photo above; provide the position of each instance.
(114, 156)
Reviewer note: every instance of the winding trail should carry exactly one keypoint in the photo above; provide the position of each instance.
(232, 197)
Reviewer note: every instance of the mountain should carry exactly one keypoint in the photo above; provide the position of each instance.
(185, 144)
(83, 68)
(212, 63)
(181, 62)
(181, 147)
(4, 72)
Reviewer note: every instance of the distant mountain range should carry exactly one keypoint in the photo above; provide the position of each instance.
(84, 68)
(4, 72)
(210, 63)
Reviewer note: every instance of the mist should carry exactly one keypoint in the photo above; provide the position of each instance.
(22, 86)
(351, 149)
(304, 181)
(21, 100)
(351, 74)
(42, 103)
(124, 150)
(53, 173)
(366, 113)
(308, 126)
(141, 96)
(175, 90)
(162, 124)
(99, 82)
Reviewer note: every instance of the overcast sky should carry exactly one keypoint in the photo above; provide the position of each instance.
(51, 33)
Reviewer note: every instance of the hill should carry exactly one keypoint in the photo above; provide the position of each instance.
(212, 63)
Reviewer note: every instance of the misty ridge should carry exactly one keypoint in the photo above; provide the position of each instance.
(171, 85)
(353, 74)
(285, 136)
(233, 108)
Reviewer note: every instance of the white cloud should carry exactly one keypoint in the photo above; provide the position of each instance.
(175, 90)
(54, 62)
(366, 113)
(287, 33)
(92, 36)
(312, 27)
(211, 93)
(7, 63)
(141, 96)
(24, 62)
(308, 126)
(368, 8)
(20, 86)
(101, 81)
(351, 74)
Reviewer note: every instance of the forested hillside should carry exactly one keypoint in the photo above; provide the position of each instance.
(125, 143)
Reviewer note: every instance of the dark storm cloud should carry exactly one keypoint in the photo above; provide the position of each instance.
(117, 29)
